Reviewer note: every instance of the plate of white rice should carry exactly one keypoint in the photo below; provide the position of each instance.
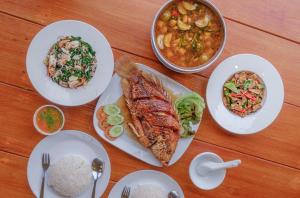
(146, 184)
(69, 175)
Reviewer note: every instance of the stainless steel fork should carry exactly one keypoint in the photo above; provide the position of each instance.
(125, 192)
(45, 165)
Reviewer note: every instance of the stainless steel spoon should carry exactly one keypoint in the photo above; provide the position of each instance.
(173, 194)
(97, 167)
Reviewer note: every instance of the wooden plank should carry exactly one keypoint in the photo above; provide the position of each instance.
(271, 15)
(13, 176)
(276, 16)
(284, 55)
(212, 133)
(254, 177)
(278, 143)
(241, 39)
(13, 182)
(15, 42)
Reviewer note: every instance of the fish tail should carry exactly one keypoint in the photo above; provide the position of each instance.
(125, 67)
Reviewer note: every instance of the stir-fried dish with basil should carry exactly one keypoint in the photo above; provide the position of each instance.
(188, 33)
(71, 62)
(243, 93)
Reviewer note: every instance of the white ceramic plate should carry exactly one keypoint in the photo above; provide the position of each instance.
(146, 177)
(65, 143)
(126, 142)
(272, 103)
(50, 90)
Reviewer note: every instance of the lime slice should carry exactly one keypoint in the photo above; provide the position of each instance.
(116, 131)
(115, 119)
(111, 109)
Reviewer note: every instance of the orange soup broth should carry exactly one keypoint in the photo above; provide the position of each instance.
(49, 119)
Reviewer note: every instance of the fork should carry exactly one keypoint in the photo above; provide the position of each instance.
(45, 165)
(125, 192)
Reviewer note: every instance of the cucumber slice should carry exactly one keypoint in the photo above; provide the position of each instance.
(116, 131)
(111, 109)
(115, 119)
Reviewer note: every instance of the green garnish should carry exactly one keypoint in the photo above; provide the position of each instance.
(247, 83)
(47, 117)
(116, 119)
(232, 87)
(226, 92)
(112, 109)
(261, 86)
(116, 131)
(189, 108)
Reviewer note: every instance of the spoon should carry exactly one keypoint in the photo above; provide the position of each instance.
(173, 194)
(97, 167)
(210, 166)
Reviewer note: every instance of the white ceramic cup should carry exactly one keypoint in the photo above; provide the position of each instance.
(210, 181)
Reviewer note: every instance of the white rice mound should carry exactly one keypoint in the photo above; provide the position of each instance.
(148, 191)
(70, 175)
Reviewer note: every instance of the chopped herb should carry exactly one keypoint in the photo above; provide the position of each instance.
(247, 83)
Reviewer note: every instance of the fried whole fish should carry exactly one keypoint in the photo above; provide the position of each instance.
(154, 120)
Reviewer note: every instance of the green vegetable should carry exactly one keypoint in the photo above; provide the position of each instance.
(111, 109)
(189, 108)
(226, 92)
(75, 38)
(194, 41)
(182, 41)
(115, 131)
(232, 87)
(261, 86)
(47, 116)
(115, 119)
(166, 15)
(244, 104)
(247, 83)
(187, 129)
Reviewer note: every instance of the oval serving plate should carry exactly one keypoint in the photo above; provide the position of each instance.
(125, 142)
(37, 71)
(272, 102)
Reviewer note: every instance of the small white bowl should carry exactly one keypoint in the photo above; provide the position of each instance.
(210, 181)
(41, 131)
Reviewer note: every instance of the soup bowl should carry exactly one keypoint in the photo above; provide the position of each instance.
(39, 129)
(188, 69)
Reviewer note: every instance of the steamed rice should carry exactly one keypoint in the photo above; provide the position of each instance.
(148, 191)
(70, 175)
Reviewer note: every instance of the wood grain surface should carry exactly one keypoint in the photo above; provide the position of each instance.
(270, 159)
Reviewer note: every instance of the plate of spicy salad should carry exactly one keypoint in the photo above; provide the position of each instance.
(245, 94)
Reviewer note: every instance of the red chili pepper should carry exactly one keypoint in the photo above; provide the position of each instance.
(250, 96)
(236, 95)
(239, 112)
(175, 13)
(242, 111)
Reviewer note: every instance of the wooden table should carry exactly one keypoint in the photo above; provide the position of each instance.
(270, 28)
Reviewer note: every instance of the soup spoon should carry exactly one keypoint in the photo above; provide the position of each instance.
(173, 194)
(210, 166)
